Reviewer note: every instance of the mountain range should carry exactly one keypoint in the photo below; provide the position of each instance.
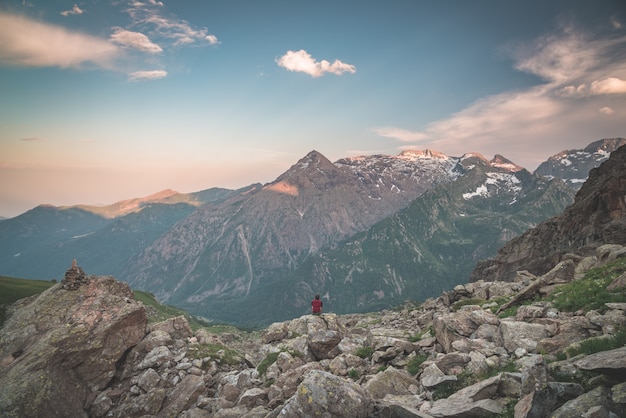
(365, 232)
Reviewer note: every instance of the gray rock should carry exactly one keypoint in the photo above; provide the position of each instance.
(463, 408)
(390, 382)
(432, 376)
(514, 335)
(605, 361)
(324, 394)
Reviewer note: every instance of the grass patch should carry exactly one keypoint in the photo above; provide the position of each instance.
(12, 290)
(598, 344)
(413, 366)
(364, 352)
(354, 374)
(428, 331)
(216, 352)
(590, 293)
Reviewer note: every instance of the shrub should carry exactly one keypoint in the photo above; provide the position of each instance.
(413, 366)
(364, 352)
(353, 374)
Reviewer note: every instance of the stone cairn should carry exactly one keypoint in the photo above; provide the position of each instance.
(74, 277)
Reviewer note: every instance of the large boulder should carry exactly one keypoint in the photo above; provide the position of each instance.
(64, 345)
(326, 395)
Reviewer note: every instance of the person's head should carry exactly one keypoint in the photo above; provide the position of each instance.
(317, 296)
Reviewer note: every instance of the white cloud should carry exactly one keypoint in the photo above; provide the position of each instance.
(135, 40)
(544, 116)
(606, 110)
(26, 42)
(611, 85)
(75, 10)
(302, 61)
(147, 75)
(616, 23)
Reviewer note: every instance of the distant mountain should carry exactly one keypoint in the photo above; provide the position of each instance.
(596, 217)
(573, 166)
(38, 243)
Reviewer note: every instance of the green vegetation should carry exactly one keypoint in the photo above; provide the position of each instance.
(354, 374)
(267, 362)
(590, 292)
(364, 352)
(217, 352)
(413, 366)
(597, 344)
(12, 290)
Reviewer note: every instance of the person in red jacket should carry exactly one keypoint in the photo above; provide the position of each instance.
(316, 305)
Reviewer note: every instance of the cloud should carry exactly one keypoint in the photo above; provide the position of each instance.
(135, 40)
(31, 139)
(148, 16)
(616, 23)
(302, 61)
(610, 85)
(606, 110)
(402, 135)
(28, 43)
(147, 75)
(573, 65)
(75, 10)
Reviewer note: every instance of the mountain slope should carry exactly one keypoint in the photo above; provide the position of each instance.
(597, 216)
(429, 247)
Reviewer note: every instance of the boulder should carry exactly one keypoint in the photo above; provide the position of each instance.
(514, 335)
(64, 345)
(611, 361)
(327, 395)
(391, 382)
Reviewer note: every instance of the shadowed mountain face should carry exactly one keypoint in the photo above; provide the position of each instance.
(597, 216)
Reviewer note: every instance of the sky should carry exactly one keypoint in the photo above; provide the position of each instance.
(102, 101)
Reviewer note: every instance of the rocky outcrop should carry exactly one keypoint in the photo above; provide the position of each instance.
(88, 352)
(62, 347)
(597, 217)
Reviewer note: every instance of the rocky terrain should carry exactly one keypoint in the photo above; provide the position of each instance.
(83, 348)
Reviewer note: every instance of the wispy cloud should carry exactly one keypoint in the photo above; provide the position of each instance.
(302, 61)
(147, 75)
(149, 17)
(573, 65)
(31, 139)
(29, 43)
(75, 10)
(135, 40)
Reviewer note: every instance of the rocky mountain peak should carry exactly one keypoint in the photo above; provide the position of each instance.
(597, 216)
(505, 164)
